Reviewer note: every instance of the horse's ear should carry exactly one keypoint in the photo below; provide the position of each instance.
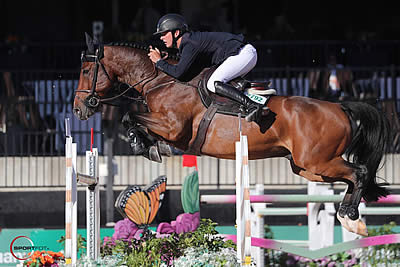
(96, 41)
(89, 43)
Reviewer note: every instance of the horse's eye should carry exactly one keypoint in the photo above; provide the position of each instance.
(85, 72)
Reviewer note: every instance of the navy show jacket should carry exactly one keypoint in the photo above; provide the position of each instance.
(215, 46)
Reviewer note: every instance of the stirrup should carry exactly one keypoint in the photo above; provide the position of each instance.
(257, 113)
(253, 114)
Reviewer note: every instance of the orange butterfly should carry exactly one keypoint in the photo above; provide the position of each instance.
(141, 205)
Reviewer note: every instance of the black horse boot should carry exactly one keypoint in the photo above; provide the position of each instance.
(253, 109)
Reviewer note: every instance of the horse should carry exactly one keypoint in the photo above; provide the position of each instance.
(314, 135)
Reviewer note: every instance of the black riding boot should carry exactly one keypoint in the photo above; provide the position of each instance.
(254, 109)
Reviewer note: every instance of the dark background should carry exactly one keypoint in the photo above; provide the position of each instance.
(66, 20)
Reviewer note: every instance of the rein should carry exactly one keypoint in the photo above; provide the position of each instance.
(93, 100)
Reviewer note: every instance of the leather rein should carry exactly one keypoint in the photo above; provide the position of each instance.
(93, 100)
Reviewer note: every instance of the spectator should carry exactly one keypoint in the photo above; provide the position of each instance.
(335, 83)
(338, 82)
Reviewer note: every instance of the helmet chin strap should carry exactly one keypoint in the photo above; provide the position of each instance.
(175, 39)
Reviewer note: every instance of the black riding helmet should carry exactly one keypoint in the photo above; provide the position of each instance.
(171, 22)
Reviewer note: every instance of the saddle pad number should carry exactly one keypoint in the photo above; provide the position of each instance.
(256, 98)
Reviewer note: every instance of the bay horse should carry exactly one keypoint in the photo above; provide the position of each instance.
(312, 134)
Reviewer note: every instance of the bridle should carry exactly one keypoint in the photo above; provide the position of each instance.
(93, 100)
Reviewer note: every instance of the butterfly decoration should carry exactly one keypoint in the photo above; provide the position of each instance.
(141, 205)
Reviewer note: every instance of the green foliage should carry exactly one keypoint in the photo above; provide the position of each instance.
(268, 232)
(81, 244)
(152, 251)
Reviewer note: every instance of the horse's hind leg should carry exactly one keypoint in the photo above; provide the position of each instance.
(349, 173)
(353, 195)
(348, 214)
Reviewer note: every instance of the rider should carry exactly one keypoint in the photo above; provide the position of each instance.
(234, 56)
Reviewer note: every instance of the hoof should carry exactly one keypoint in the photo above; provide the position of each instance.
(354, 226)
(164, 149)
(154, 154)
(342, 221)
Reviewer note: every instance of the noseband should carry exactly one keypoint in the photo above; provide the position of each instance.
(93, 100)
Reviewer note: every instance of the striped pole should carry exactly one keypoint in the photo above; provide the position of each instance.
(93, 202)
(243, 200)
(295, 198)
(70, 198)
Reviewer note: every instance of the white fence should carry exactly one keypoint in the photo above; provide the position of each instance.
(19, 172)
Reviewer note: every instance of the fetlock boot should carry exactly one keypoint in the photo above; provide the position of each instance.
(253, 109)
(135, 141)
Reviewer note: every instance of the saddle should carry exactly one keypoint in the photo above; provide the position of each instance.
(218, 104)
(227, 106)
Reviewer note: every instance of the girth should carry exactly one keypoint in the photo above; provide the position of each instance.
(215, 104)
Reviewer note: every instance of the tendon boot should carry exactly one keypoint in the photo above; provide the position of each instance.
(134, 136)
(135, 141)
(253, 109)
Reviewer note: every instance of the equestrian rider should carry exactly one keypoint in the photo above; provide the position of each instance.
(234, 56)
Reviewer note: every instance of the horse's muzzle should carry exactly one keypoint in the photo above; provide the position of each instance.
(77, 112)
(83, 113)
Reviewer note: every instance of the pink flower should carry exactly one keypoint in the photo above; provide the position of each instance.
(109, 240)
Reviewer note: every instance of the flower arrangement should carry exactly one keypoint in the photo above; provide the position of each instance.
(44, 258)
(151, 249)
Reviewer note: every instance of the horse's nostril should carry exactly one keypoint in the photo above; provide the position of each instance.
(77, 112)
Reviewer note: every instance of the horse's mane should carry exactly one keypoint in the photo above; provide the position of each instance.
(145, 47)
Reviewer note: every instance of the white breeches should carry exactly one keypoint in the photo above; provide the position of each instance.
(234, 66)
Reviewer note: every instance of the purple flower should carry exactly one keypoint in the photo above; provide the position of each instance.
(195, 221)
(126, 230)
(165, 228)
(291, 261)
(185, 222)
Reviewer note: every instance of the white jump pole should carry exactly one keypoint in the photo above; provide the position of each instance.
(243, 200)
(93, 206)
(71, 213)
(91, 179)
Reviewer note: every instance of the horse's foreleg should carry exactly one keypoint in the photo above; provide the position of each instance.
(167, 127)
(143, 143)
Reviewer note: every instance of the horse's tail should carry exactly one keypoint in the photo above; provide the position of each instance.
(370, 141)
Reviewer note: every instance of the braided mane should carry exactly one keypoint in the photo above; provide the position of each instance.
(145, 47)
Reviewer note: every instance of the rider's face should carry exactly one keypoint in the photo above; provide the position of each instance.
(166, 37)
